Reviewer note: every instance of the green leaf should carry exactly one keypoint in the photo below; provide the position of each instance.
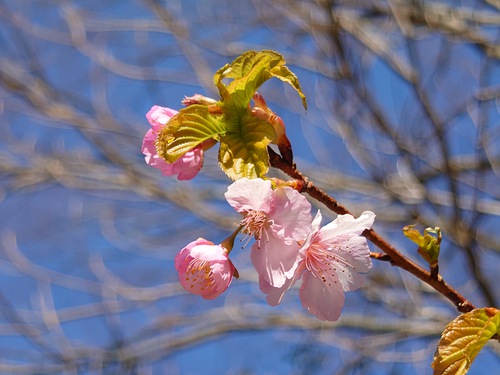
(248, 72)
(463, 338)
(186, 130)
(244, 153)
(244, 138)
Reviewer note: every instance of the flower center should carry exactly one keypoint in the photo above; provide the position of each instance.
(200, 275)
(316, 261)
(324, 263)
(255, 223)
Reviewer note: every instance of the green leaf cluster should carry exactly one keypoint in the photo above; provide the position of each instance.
(243, 138)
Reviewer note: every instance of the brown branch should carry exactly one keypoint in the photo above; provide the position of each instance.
(380, 256)
(396, 258)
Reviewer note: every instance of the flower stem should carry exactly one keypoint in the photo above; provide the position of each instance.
(228, 243)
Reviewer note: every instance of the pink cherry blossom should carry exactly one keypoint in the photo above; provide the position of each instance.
(278, 219)
(187, 166)
(204, 268)
(332, 260)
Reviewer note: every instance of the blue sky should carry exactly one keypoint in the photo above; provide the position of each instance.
(89, 231)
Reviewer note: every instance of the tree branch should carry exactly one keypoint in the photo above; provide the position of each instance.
(397, 259)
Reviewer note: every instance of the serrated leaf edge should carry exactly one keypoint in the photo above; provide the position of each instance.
(465, 354)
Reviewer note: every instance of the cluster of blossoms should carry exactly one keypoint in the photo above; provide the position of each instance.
(289, 245)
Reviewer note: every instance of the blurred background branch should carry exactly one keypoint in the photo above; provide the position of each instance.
(403, 120)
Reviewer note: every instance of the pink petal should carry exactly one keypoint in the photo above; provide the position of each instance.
(314, 230)
(347, 225)
(159, 116)
(187, 166)
(149, 147)
(316, 223)
(274, 261)
(209, 252)
(357, 253)
(246, 195)
(187, 249)
(222, 275)
(324, 301)
(291, 215)
(275, 295)
(354, 252)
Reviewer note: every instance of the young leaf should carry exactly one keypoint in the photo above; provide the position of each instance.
(190, 127)
(244, 153)
(428, 245)
(249, 71)
(463, 338)
(244, 138)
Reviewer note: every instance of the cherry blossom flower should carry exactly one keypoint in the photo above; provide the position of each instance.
(187, 166)
(204, 268)
(278, 219)
(332, 260)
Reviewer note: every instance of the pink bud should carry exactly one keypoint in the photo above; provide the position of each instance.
(204, 268)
